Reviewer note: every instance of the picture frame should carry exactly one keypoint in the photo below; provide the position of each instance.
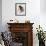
(20, 9)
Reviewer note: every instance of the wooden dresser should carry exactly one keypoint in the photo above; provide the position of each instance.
(22, 33)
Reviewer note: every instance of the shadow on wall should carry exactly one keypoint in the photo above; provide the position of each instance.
(43, 6)
(0, 15)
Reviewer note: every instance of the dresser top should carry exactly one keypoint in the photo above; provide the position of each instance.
(19, 23)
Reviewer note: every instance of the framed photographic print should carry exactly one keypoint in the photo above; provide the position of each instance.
(20, 9)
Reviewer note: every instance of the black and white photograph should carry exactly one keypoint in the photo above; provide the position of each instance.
(20, 9)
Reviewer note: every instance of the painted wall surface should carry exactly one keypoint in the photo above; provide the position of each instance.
(43, 14)
(43, 6)
(33, 13)
(0, 15)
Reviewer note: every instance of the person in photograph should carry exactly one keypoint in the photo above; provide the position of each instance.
(20, 10)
